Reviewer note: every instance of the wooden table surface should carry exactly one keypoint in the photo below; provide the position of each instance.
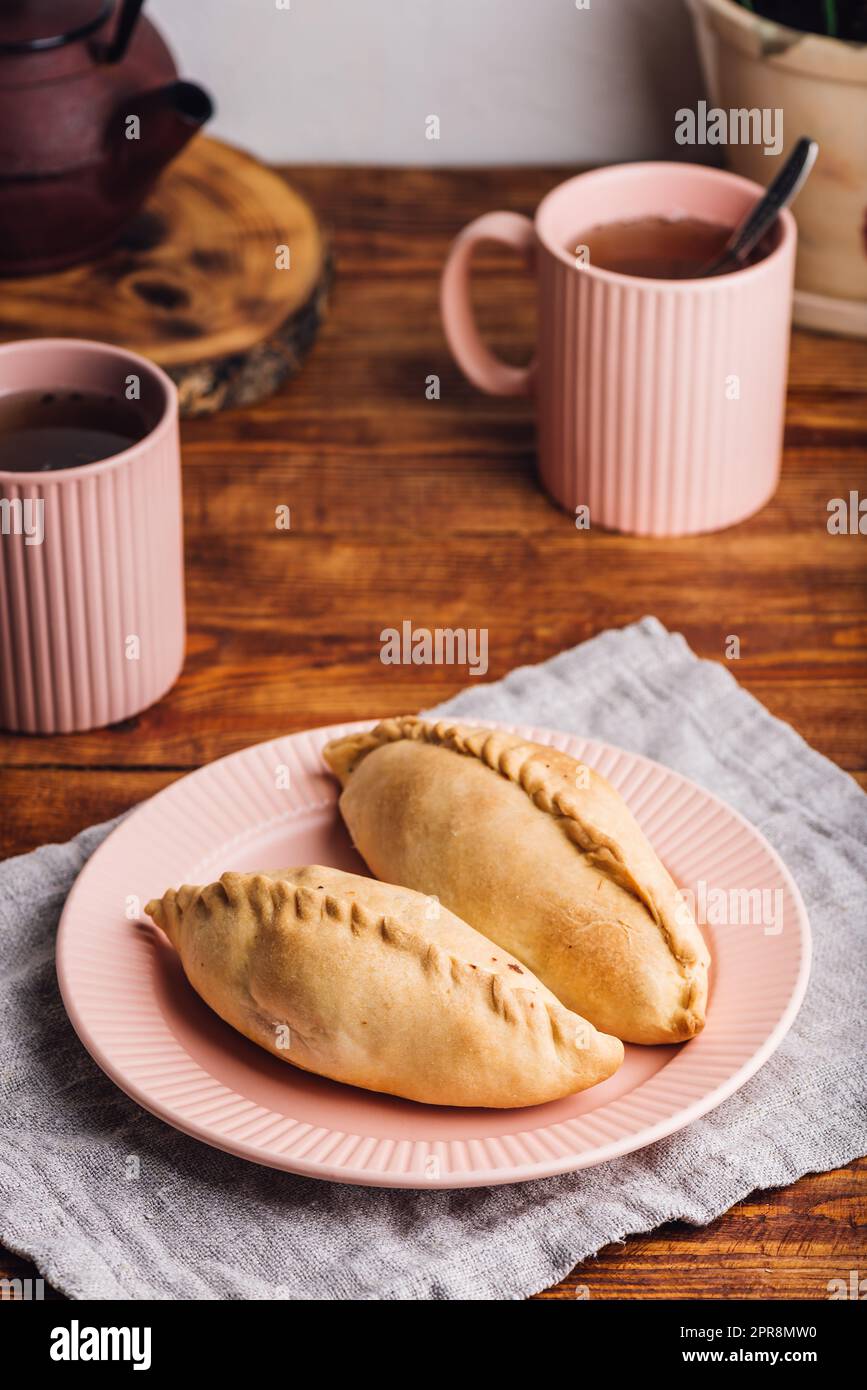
(429, 510)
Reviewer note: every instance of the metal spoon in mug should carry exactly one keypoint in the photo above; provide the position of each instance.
(778, 195)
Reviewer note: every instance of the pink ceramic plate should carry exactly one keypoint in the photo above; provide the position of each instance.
(133, 1009)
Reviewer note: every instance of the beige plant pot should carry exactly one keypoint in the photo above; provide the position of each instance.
(820, 84)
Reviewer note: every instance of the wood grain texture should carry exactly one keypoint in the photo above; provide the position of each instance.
(404, 507)
(785, 1244)
(196, 282)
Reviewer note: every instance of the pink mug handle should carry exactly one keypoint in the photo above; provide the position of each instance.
(475, 360)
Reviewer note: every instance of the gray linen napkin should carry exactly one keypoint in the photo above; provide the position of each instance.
(198, 1223)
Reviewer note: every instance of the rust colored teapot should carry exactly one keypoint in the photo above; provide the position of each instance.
(91, 110)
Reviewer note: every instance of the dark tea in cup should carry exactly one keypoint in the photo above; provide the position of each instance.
(656, 248)
(41, 431)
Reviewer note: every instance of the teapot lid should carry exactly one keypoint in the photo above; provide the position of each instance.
(27, 25)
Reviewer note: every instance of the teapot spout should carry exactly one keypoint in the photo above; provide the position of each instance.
(155, 126)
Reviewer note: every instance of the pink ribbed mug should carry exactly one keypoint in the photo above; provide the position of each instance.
(92, 625)
(659, 403)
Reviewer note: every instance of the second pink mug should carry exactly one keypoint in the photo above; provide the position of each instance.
(92, 625)
(659, 403)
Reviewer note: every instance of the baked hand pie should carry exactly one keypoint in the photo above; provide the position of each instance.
(380, 987)
(538, 852)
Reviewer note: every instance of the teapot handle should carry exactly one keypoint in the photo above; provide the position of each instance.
(127, 20)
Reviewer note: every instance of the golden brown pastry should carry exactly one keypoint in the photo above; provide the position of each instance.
(538, 852)
(379, 987)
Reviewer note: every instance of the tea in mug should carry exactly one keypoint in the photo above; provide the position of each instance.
(45, 430)
(657, 248)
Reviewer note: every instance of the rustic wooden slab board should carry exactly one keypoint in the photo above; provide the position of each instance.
(194, 282)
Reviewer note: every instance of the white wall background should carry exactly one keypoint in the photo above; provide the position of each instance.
(512, 81)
